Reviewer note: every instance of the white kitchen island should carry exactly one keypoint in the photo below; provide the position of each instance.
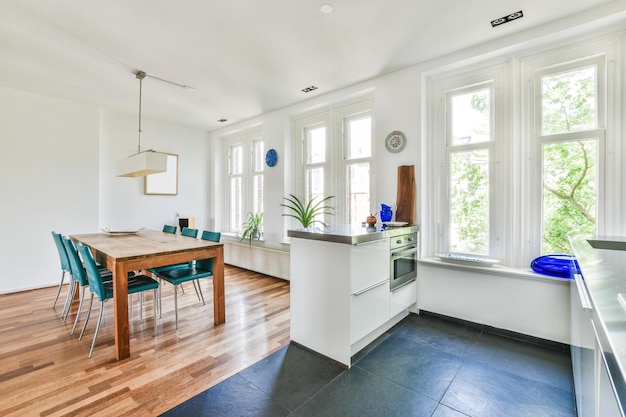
(340, 295)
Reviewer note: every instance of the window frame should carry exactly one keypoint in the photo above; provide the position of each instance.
(335, 176)
(436, 236)
(533, 70)
(247, 140)
(518, 152)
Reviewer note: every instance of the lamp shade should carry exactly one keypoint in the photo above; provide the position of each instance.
(141, 164)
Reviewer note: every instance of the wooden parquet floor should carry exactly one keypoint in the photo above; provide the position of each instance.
(44, 371)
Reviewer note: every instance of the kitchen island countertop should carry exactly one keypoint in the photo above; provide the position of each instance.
(352, 234)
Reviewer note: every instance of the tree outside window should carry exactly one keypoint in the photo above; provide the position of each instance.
(568, 105)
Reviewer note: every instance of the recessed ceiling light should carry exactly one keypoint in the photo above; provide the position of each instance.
(326, 8)
(501, 20)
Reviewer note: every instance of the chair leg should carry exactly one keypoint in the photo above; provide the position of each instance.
(154, 307)
(70, 300)
(95, 336)
(141, 306)
(195, 287)
(201, 298)
(59, 290)
(176, 304)
(160, 302)
(67, 298)
(80, 307)
(87, 319)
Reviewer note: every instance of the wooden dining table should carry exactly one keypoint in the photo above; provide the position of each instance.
(133, 251)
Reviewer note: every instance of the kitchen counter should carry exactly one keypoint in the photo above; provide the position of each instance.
(341, 294)
(604, 273)
(351, 234)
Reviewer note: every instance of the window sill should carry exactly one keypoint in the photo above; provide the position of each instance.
(524, 273)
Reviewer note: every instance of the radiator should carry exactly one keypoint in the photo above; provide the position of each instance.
(268, 261)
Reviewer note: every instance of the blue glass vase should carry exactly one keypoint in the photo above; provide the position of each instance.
(385, 213)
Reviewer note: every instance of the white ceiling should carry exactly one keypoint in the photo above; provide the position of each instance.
(242, 57)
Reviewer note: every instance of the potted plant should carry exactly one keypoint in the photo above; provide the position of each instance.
(253, 227)
(305, 213)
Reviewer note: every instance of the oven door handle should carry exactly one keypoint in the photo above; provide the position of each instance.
(404, 253)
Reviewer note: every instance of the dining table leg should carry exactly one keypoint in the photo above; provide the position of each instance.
(120, 299)
(219, 303)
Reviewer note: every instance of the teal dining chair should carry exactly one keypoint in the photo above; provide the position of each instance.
(104, 290)
(187, 232)
(65, 266)
(169, 229)
(193, 271)
(78, 279)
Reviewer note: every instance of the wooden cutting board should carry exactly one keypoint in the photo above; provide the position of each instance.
(405, 198)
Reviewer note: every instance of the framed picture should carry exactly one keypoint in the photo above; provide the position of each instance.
(164, 183)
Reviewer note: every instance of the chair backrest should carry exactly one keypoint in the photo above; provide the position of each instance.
(95, 282)
(169, 229)
(65, 262)
(189, 232)
(207, 264)
(78, 272)
(212, 236)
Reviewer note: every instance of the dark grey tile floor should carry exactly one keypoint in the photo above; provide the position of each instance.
(425, 366)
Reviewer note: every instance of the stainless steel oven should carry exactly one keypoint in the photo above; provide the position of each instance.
(403, 260)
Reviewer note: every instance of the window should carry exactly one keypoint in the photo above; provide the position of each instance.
(335, 146)
(466, 163)
(245, 156)
(357, 160)
(569, 138)
(517, 155)
(470, 134)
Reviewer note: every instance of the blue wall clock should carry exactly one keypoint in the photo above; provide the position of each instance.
(271, 157)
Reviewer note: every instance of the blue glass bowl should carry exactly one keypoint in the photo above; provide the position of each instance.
(556, 265)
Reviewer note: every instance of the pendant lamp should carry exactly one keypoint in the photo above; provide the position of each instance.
(142, 163)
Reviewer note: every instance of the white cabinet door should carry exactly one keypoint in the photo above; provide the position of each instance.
(402, 298)
(368, 310)
(369, 264)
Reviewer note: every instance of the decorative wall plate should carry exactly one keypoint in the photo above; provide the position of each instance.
(395, 141)
(271, 157)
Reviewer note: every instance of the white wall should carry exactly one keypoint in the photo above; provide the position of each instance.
(57, 162)
(48, 181)
(538, 307)
(123, 203)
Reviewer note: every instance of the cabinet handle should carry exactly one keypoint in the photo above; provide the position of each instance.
(371, 287)
(582, 292)
(404, 253)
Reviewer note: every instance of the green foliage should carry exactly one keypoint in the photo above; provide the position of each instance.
(307, 213)
(569, 193)
(569, 101)
(469, 202)
(252, 228)
(568, 104)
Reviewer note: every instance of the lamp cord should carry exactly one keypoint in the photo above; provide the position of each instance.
(141, 75)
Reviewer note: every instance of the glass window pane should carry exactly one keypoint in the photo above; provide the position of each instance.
(315, 141)
(569, 101)
(236, 201)
(358, 137)
(257, 193)
(358, 192)
(315, 182)
(315, 187)
(471, 117)
(258, 155)
(469, 202)
(236, 159)
(569, 193)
